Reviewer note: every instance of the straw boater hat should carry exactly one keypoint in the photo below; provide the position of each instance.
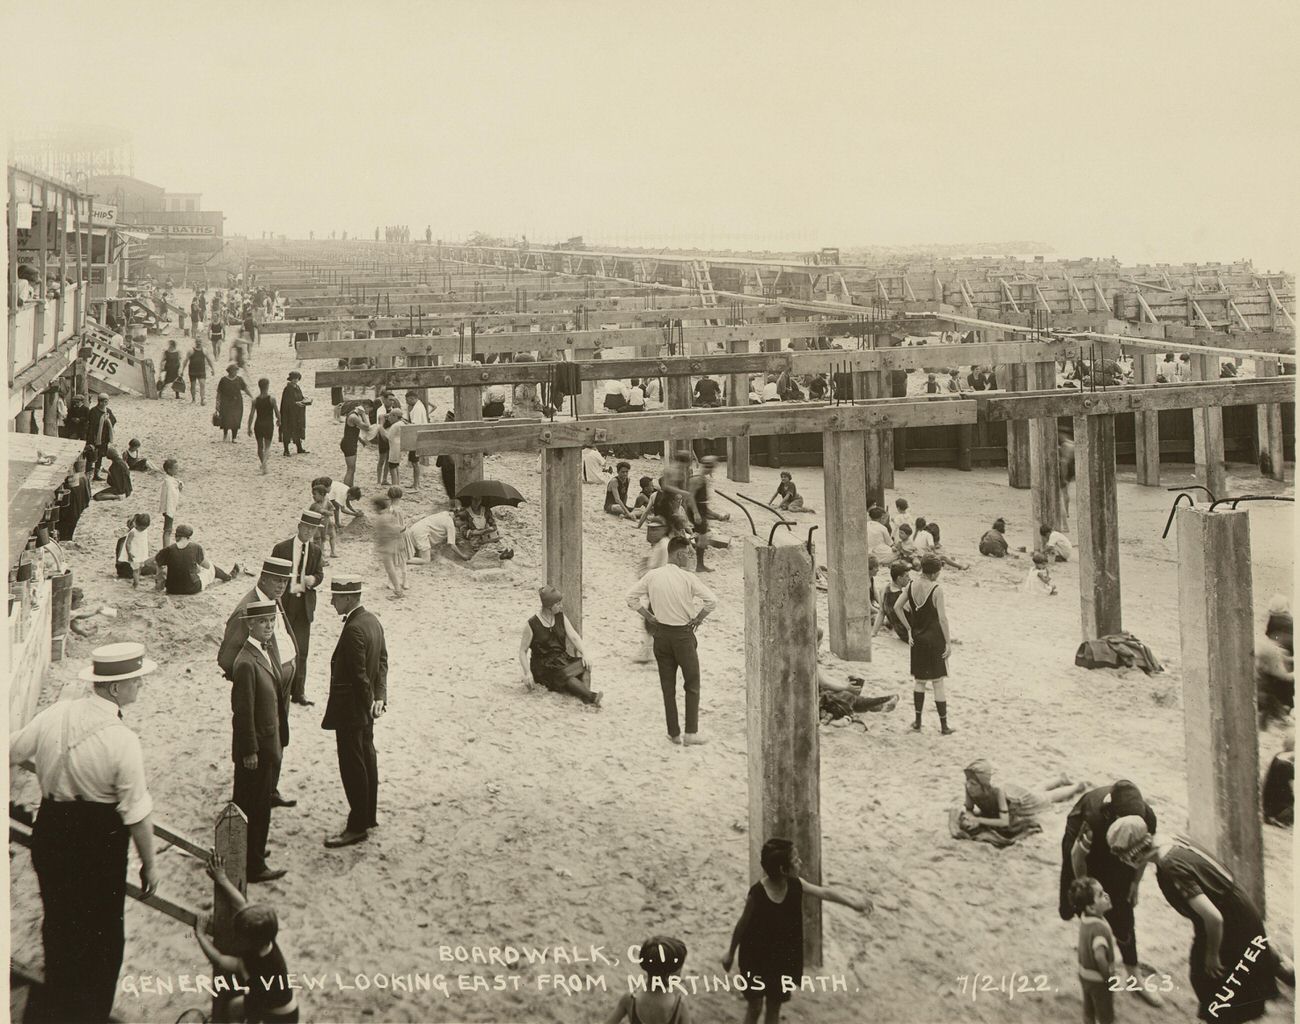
(258, 610)
(310, 518)
(277, 567)
(345, 587)
(116, 662)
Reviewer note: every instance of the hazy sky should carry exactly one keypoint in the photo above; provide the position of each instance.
(1150, 131)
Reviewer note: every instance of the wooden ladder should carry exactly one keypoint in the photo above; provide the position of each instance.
(704, 283)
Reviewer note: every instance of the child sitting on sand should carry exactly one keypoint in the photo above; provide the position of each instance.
(134, 461)
(390, 545)
(789, 495)
(898, 580)
(259, 965)
(647, 485)
(662, 1002)
(1039, 578)
(1010, 806)
(769, 933)
(1096, 949)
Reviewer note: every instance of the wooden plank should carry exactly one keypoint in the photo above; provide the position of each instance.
(871, 386)
(1271, 455)
(677, 396)
(1044, 466)
(1207, 432)
(1098, 532)
(1018, 475)
(562, 527)
(231, 844)
(1146, 427)
(783, 745)
(1135, 399)
(848, 600)
(627, 428)
(738, 397)
(1217, 625)
(467, 403)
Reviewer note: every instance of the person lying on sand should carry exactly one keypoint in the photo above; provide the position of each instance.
(852, 693)
(1010, 806)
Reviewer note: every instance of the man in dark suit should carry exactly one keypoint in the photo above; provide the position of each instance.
(299, 600)
(255, 707)
(358, 695)
(99, 433)
(271, 585)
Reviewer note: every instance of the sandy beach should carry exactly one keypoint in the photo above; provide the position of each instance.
(522, 819)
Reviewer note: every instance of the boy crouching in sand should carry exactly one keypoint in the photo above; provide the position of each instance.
(1096, 949)
(259, 965)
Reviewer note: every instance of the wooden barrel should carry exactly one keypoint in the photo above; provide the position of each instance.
(60, 612)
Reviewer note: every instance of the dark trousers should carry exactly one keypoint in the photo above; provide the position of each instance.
(101, 452)
(359, 770)
(79, 852)
(295, 441)
(447, 466)
(253, 789)
(675, 648)
(295, 612)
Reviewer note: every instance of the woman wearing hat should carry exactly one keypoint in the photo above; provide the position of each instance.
(231, 390)
(1084, 853)
(1232, 964)
(94, 802)
(550, 651)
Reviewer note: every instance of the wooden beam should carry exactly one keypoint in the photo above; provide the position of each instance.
(870, 386)
(1135, 399)
(1217, 625)
(677, 396)
(1207, 432)
(1146, 427)
(1098, 518)
(628, 428)
(230, 840)
(848, 600)
(1016, 377)
(738, 397)
(467, 403)
(784, 755)
(1044, 465)
(1271, 455)
(562, 527)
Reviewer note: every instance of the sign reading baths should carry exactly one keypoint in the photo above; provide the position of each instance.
(177, 230)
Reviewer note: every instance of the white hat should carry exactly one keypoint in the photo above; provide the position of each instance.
(116, 662)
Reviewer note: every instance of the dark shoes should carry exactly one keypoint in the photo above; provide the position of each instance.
(269, 875)
(945, 731)
(345, 838)
(278, 801)
(304, 702)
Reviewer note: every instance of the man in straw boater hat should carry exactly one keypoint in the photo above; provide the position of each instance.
(270, 586)
(299, 600)
(255, 706)
(94, 800)
(358, 695)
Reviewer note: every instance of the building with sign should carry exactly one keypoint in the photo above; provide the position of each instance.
(173, 221)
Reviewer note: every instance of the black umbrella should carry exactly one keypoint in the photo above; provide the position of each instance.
(491, 493)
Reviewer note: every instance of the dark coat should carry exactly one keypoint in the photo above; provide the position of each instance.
(358, 672)
(99, 426)
(255, 708)
(233, 643)
(293, 414)
(300, 608)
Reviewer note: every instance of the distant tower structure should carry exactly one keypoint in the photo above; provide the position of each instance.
(74, 153)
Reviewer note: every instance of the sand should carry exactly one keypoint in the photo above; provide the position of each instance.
(526, 820)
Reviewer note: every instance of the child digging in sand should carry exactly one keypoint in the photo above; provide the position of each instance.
(769, 933)
(664, 999)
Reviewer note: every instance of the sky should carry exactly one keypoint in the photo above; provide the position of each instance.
(1155, 131)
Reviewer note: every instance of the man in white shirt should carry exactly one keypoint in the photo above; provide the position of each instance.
(634, 397)
(1055, 544)
(665, 598)
(94, 803)
(615, 396)
(594, 470)
(416, 413)
(879, 540)
(133, 551)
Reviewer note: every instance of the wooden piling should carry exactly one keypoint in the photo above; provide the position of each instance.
(230, 841)
(1207, 432)
(1018, 472)
(1146, 427)
(1270, 454)
(782, 715)
(467, 403)
(562, 526)
(1044, 459)
(738, 395)
(677, 395)
(847, 598)
(1216, 620)
(1098, 519)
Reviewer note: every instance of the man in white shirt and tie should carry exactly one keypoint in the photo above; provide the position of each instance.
(665, 598)
(94, 803)
(416, 413)
(299, 599)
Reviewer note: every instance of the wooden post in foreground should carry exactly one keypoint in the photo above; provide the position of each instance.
(1216, 620)
(738, 395)
(1018, 475)
(782, 715)
(231, 843)
(848, 601)
(467, 403)
(1146, 428)
(562, 526)
(1098, 518)
(1044, 459)
(1268, 418)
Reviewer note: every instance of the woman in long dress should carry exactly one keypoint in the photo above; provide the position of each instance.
(922, 606)
(293, 414)
(262, 418)
(1233, 966)
(231, 390)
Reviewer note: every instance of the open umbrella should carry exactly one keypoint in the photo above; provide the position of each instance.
(491, 493)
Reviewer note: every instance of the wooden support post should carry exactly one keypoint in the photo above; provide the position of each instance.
(50, 404)
(738, 395)
(849, 601)
(1018, 474)
(1216, 619)
(1146, 427)
(886, 436)
(1207, 432)
(677, 395)
(1268, 418)
(587, 397)
(1098, 519)
(871, 385)
(231, 843)
(562, 526)
(782, 714)
(467, 403)
(1044, 460)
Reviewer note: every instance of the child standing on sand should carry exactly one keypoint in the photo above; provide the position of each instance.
(320, 502)
(662, 1002)
(1096, 949)
(769, 933)
(390, 546)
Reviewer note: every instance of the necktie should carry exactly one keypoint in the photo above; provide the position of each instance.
(302, 558)
(273, 656)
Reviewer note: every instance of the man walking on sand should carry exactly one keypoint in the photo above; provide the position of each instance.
(665, 598)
